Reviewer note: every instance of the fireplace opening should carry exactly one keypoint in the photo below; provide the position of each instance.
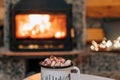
(41, 25)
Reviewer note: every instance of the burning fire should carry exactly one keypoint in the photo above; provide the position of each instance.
(40, 26)
(106, 45)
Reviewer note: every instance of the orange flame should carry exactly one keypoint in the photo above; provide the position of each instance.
(40, 26)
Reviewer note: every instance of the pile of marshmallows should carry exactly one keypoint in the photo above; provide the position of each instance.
(53, 61)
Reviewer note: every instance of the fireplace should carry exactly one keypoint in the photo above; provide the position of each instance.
(41, 25)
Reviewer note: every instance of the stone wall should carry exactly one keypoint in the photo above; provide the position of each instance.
(106, 64)
(12, 68)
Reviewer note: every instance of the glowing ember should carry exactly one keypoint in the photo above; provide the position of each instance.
(40, 26)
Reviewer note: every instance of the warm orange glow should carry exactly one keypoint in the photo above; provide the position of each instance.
(40, 26)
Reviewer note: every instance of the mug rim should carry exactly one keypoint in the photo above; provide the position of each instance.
(56, 67)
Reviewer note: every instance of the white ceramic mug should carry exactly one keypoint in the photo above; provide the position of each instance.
(60, 73)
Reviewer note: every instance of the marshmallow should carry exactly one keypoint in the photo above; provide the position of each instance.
(53, 63)
(68, 62)
(56, 61)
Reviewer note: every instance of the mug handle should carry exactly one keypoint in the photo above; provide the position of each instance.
(75, 73)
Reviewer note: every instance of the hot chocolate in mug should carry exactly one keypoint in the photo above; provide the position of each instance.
(60, 73)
